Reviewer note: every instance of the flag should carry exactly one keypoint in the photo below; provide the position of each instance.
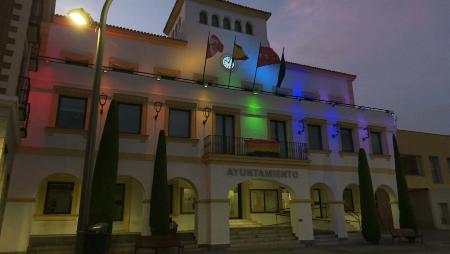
(282, 71)
(214, 46)
(238, 53)
(267, 56)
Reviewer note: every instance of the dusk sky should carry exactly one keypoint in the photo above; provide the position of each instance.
(399, 49)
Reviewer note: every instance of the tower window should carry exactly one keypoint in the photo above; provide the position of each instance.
(226, 23)
(248, 28)
(237, 26)
(215, 21)
(203, 18)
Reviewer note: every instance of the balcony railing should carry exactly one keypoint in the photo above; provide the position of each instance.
(23, 93)
(215, 144)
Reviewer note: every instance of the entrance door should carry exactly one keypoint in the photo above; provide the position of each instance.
(384, 210)
(224, 134)
(278, 133)
(234, 196)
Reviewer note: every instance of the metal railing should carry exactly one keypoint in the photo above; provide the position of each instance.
(23, 94)
(216, 144)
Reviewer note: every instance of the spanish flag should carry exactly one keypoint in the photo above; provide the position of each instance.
(238, 53)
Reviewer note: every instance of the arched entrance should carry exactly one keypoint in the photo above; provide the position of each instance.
(260, 208)
(383, 202)
(320, 209)
(352, 208)
(183, 197)
(259, 203)
(128, 213)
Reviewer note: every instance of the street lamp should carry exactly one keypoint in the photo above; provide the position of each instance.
(81, 17)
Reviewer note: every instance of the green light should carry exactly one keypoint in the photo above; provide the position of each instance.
(254, 127)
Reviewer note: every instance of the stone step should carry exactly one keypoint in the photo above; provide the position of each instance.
(263, 239)
(270, 230)
(120, 243)
(248, 236)
(266, 245)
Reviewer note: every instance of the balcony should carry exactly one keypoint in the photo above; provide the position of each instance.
(258, 148)
(23, 93)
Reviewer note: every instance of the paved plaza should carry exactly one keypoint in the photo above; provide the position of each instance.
(434, 242)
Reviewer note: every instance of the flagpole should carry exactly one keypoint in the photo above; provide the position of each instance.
(256, 71)
(206, 58)
(232, 62)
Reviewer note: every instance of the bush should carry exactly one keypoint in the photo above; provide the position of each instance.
(370, 223)
(101, 209)
(407, 216)
(159, 201)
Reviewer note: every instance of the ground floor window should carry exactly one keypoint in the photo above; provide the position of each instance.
(187, 200)
(349, 205)
(445, 215)
(58, 198)
(318, 206)
(119, 202)
(263, 201)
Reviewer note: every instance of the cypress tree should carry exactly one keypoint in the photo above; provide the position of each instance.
(104, 182)
(407, 217)
(159, 201)
(370, 223)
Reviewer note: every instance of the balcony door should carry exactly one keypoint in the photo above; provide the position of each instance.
(278, 133)
(225, 140)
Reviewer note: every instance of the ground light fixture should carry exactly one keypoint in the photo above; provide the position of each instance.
(80, 17)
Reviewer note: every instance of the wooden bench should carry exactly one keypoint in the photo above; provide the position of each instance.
(407, 233)
(158, 242)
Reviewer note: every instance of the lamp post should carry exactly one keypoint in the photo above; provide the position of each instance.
(81, 17)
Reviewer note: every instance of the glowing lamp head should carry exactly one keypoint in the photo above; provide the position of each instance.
(80, 17)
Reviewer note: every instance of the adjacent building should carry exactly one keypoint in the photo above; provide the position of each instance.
(240, 153)
(19, 45)
(426, 159)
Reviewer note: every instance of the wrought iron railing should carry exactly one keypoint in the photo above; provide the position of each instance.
(216, 144)
(23, 94)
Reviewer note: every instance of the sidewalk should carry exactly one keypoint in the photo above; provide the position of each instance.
(436, 242)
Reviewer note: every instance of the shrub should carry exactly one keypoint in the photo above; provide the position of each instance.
(370, 223)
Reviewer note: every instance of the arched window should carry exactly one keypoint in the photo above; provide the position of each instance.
(237, 26)
(215, 21)
(203, 18)
(226, 23)
(248, 28)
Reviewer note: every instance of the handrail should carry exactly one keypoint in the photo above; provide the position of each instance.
(216, 144)
(294, 97)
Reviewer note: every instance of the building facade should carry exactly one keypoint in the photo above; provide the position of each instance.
(426, 159)
(238, 153)
(19, 45)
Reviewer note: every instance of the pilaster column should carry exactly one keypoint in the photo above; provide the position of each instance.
(301, 219)
(219, 224)
(395, 214)
(202, 227)
(146, 218)
(338, 219)
(16, 225)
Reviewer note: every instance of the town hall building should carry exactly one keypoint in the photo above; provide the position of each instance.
(242, 152)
